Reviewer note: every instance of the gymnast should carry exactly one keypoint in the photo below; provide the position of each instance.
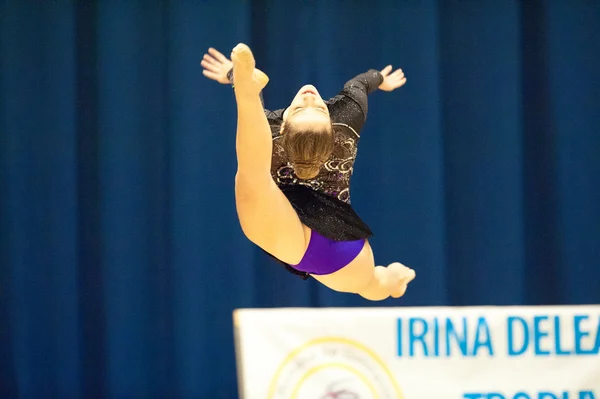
(293, 177)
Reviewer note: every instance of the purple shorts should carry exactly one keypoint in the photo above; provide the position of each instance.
(325, 256)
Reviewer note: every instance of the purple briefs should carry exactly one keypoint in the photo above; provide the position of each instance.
(325, 256)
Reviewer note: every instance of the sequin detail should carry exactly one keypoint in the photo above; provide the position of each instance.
(334, 177)
(348, 111)
(323, 203)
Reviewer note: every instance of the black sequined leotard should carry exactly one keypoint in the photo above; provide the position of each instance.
(323, 202)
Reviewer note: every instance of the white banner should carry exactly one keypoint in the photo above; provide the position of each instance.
(419, 353)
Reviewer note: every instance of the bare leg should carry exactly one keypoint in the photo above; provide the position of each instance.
(266, 216)
(253, 138)
(362, 277)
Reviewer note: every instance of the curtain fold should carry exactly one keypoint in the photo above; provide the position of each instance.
(121, 257)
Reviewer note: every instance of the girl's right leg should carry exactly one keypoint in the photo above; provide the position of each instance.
(268, 219)
(266, 216)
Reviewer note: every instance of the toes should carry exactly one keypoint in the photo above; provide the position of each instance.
(242, 55)
(401, 287)
(404, 275)
(399, 292)
(402, 271)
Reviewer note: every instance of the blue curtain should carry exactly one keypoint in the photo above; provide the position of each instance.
(121, 258)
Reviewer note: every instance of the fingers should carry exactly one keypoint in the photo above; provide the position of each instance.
(397, 73)
(397, 76)
(396, 79)
(392, 80)
(211, 60)
(215, 53)
(399, 83)
(210, 66)
(211, 75)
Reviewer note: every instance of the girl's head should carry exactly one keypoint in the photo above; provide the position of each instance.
(307, 132)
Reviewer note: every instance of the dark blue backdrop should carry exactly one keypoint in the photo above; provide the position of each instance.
(121, 258)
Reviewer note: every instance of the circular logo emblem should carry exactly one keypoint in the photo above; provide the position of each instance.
(333, 368)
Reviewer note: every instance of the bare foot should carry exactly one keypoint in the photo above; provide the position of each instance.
(246, 77)
(243, 59)
(404, 275)
(260, 78)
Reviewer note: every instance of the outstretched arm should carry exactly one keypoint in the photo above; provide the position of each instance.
(350, 106)
(373, 79)
(366, 83)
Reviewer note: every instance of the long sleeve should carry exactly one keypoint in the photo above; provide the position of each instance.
(369, 80)
(350, 107)
(361, 86)
(348, 111)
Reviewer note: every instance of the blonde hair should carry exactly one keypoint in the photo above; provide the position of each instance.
(307, 150)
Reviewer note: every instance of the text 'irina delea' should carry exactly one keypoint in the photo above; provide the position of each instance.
(538, 335)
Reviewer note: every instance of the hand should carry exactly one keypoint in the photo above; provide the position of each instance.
(216, 66)
(392, 81)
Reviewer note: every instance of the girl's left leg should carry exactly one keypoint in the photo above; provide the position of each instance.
(388, 281)
(362, 277)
